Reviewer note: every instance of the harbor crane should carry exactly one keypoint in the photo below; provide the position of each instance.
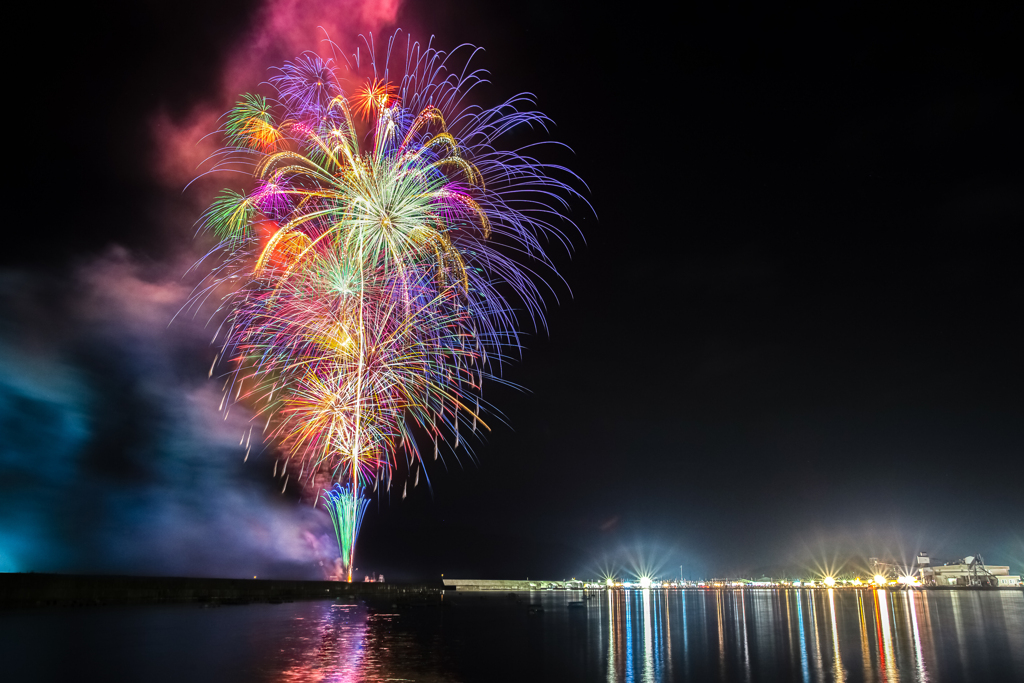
(977, 573)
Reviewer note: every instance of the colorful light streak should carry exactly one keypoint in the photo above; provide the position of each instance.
(346, 505)
(368, 266)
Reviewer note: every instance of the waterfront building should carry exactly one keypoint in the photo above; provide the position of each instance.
(970, 571)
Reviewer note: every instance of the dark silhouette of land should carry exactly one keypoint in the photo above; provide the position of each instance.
(40, 590)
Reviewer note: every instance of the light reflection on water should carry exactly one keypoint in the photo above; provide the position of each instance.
(634, 636)
(812, 635)
(649, 636)
(348, 643)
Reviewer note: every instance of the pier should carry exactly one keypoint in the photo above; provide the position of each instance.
(41, 590)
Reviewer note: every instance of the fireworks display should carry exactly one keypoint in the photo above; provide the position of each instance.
(346, 505)
(373, 272)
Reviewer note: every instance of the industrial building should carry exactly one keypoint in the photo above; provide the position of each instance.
(969, 571)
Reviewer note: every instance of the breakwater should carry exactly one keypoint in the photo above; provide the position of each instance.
(41, 590)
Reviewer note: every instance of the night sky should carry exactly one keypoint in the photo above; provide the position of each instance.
(789, 334)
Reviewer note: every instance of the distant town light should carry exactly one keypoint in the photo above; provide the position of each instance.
(829, 581)
(645, 582)
(880, 580)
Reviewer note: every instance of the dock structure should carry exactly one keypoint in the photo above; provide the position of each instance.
(969, 571)
(41, 590)
(511, 585)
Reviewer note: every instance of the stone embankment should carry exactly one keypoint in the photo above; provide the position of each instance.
(40, 590)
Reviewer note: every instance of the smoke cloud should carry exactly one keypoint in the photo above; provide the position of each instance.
(281, 30)
(115, 457)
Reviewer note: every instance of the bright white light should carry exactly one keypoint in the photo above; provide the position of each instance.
(829, 581)
(645, 582)
(608, 582)
(879, 579)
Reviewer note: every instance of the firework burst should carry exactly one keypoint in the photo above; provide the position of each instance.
(374, 267)
(346, 506)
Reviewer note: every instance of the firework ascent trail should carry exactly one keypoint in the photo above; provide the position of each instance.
(374, 264)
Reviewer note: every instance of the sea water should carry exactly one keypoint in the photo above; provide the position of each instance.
(630, 636)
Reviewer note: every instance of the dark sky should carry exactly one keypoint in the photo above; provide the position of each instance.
(789, 338)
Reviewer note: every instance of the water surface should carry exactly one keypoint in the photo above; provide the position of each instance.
(639, 636)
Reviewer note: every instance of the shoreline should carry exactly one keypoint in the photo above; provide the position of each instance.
(19, 591)
(68, 590)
